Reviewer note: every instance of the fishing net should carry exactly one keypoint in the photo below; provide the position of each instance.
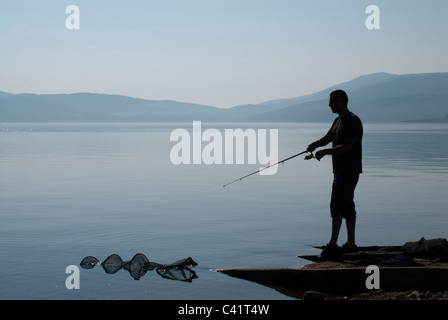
(89, 262)
(112, 264)
(178, 270)
(140, 264)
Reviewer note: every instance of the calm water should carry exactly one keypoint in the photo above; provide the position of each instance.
(72, 190)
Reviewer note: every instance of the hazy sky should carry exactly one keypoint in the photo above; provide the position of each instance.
(214, 52)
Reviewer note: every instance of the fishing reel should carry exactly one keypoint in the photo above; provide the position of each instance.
(309, 156)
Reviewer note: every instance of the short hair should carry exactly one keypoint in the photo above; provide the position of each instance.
(340, 95)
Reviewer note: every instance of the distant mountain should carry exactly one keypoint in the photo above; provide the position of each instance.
(92, 107)
(395, 98)
(274, 105)
(378, 97)
(352, 85)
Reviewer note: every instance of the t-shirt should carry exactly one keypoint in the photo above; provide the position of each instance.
(348, 126)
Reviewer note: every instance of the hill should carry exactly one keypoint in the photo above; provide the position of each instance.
(396, 98)
(378, 97)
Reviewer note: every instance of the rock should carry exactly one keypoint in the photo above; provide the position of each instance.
(313, 296)
(432, 248)
(436, 296)
(415, 295)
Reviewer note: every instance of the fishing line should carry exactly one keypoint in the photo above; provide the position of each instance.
(310, 156)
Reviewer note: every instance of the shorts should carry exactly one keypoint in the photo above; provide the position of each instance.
(342, 195)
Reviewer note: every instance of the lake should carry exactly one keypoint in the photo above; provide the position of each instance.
(74, 190)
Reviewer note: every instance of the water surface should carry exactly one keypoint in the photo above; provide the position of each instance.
(72, 190)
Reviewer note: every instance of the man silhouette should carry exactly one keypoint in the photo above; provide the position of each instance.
(346, 135)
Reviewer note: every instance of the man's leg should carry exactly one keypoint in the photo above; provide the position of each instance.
(350, 223)
(336, 222)
(350, 220)
(331, 250)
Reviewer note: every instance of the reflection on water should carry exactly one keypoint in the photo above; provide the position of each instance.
(140, 264)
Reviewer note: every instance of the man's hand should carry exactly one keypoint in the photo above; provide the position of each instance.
(312, 147)
(320, 154)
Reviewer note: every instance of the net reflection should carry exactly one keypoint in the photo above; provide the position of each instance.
(140, 264)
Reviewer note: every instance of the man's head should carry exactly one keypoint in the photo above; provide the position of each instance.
(338, 101)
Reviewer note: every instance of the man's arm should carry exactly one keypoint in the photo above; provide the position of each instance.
(340, 149)
(320, 143)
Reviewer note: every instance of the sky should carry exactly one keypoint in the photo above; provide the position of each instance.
(220, 53)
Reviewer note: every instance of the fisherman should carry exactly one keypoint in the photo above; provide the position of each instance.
(345, 134)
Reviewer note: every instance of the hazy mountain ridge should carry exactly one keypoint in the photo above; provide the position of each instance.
(96, 107)
(399, 98)
(375, 97)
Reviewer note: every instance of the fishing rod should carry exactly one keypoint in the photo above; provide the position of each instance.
(282, 161)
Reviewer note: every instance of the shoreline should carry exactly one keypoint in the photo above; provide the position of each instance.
(415, 271)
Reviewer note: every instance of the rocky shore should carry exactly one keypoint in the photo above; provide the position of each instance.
(382, 295)
(406, 295)
(414, 271)
(432, 253)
